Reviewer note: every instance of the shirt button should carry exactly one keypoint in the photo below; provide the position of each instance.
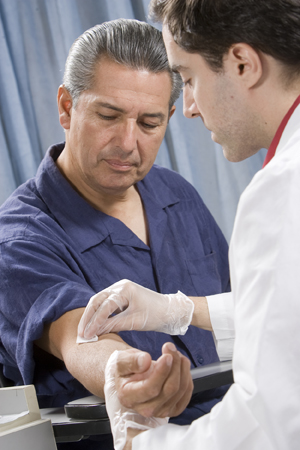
(200, 360)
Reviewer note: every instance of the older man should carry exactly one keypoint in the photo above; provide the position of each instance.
(99, 211)
(239, 61)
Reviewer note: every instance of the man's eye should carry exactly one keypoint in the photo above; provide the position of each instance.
(187, 82)
(106, 117)
(149, 125)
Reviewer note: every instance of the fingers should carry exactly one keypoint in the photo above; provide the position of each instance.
(139, 390)
(186, 387)
(179, 394)
(89, 311)
(100, 322)
(101, 306)
(95, 319)
(178, 388)
(169, 392)
(133, 361)
(164, 390)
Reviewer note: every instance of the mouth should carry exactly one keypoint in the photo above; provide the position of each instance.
(121, 166)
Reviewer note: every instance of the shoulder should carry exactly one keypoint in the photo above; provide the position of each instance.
(272, 198)
(26, 208)
(24, 215)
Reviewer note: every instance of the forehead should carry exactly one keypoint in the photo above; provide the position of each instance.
(179, 59)
(176, 55)
(131, 86)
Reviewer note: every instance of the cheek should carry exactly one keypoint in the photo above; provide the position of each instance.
(150, 147)
(202, 98)
(97, 137)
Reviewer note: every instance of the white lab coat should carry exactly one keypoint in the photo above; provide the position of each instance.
(261, 411)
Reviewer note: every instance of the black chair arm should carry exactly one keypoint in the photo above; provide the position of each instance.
(212, 376)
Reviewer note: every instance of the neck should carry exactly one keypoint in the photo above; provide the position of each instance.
(125, 205)
(278, 112)
(272, 98)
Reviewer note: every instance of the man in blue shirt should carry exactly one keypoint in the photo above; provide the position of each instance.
(98, 211)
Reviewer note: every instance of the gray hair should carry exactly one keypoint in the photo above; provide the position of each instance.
(131, 43)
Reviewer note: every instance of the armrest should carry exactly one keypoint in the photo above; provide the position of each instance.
(74, 430)
(207, 377)
(212, 376)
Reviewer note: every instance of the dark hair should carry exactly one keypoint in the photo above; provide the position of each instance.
(211, 27)
(134, 44)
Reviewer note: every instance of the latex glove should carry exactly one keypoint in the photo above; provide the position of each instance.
(122, 418)
(135, 308)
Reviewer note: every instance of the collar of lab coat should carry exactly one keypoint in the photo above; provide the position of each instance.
(285, 129)
(291, 127)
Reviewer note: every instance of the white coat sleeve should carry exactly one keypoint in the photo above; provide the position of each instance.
(221, 311)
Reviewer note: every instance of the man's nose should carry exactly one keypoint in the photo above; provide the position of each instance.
(127, 135)
(190, 109)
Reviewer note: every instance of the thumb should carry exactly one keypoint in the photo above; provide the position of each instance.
(133, 361)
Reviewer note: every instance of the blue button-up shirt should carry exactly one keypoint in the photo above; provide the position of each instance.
(56, 251)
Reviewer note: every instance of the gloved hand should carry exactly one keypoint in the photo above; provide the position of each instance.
(122, 418)
(135, 308)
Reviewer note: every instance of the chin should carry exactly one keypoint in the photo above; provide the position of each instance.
(234, 157)
(213, 137)
(230, 155)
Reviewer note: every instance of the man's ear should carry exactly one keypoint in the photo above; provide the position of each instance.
(64, 102)
(172, 110)
(244, 64)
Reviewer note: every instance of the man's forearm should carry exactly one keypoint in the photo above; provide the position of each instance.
(86, 362)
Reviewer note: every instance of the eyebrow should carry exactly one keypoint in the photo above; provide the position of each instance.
(158, 115)
(109, 106)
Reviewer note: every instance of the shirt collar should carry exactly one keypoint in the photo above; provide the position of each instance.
(84, 223)
(275, 142)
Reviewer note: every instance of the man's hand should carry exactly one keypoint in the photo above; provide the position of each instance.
(127, 306)
(139, 391)
(121, 418)
(161, 388)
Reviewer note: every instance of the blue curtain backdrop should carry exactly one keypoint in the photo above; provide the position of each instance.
(35, 37)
